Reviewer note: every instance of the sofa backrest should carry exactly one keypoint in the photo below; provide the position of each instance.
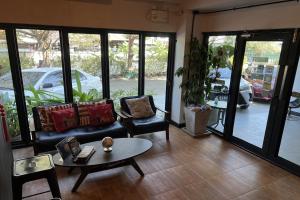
(36, 116)
(124, 106)
(37, 121)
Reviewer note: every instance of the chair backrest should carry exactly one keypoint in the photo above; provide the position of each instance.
(124, 106)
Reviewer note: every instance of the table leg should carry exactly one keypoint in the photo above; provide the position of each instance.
(136, 167)
(223, 117)
(218, 120)
(81, 178)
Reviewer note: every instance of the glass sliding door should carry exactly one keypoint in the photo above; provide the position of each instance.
(290, 142)
(223, 45)
(123, 65)
(261, 70)
(156, 67)
(7, 93)
(40, 58)
(85, 56)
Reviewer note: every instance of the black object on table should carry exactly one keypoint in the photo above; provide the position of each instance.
(34, 168)
(123, 152)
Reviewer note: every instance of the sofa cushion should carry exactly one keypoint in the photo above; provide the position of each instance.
(64, 119)
(46, 141)
(101, 115)
(83, 112)
(44, 113)
(150, 124)
(140, 107)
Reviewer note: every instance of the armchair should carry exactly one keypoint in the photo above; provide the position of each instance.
(139, 126)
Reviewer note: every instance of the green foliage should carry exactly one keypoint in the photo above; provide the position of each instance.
(118, 94)
(80, 96)
(11, 115)
(156, 60)
(197, 83)
(90, 64)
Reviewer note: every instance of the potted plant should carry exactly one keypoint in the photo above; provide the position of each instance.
(196, 87)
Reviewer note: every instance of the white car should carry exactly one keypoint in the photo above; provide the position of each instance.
(245, 92)
(48, 79)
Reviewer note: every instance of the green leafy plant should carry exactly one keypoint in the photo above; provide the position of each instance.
(196, 82)
(11, 115)
(80, 96)
(220, 57)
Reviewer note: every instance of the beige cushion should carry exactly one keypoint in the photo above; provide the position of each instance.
(140, 107)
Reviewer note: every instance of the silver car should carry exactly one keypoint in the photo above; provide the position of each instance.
(245, 92)
(48, 79)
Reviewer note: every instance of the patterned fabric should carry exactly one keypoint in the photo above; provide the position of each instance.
(140, 107)
(101, 115)
(83, 112)
(47, 123)
(64, 119)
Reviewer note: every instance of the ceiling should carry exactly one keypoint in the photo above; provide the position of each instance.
(214, 5)
(209, 5)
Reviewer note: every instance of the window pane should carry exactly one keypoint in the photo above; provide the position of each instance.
(260, 70)
(156, 64)
(219, 94)
(290, 148)
(123, 65)
(7, 95)
(85, 54)
(40, 58)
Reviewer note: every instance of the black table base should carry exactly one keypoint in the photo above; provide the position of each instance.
(85, 170)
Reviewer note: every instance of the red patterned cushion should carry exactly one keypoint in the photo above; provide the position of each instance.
(101, 115)
(64, 119)
(47, 123)
(83, 112)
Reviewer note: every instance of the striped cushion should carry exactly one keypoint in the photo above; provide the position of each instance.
(83, 112)
(47, 123)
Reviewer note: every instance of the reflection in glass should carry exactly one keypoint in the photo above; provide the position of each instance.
(40, 57)
(85, 55)
(156, 64)
(260, 69)
(123, 65)
(290, 147)
(7, 95)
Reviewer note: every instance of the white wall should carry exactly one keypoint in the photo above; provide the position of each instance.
(183, 37)
(277, 16)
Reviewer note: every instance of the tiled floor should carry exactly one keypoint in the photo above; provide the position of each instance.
(184, 168)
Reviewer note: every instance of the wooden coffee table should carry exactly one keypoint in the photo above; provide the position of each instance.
(124, 150)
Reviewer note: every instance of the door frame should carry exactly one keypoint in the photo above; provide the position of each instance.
(242, 39)
(272, 140)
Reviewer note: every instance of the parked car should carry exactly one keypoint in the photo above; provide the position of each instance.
(48, 79)
(245, 92)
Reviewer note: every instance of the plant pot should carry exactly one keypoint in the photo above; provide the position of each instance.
(196, 121)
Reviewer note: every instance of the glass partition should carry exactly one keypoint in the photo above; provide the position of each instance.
(222, 46)
(7, 93)
(40, 57)
(85, 56)
(290, 146)
(156, 65)
(123, 65)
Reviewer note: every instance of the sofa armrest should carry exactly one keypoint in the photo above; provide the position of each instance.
(164, 111)
(129, 116)
(121, 115)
